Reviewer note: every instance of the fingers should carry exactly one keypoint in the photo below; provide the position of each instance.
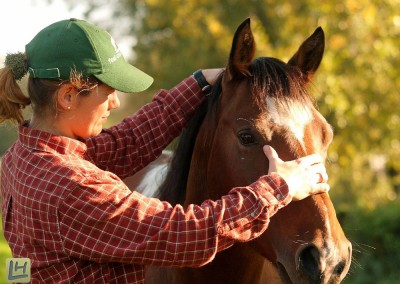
(311, 159)
(318, 173)
(321, 177)
(306, 161)
(320, 188)
(212, 74)
(311, 190)
(273, 158)
(310, 167)
(270, 152)
(315, 166)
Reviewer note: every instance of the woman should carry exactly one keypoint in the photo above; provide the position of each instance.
(64, 205)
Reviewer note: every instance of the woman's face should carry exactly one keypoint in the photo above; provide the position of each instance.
(89, 112)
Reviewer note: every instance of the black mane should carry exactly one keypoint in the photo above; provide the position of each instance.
(173, 189)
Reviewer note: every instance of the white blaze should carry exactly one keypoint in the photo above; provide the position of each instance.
(294, 118)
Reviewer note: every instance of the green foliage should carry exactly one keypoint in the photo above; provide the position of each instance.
(5, 253)
(376, 244)
(8, 134)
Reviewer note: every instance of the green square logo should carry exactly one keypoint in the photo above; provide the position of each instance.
(18, 270)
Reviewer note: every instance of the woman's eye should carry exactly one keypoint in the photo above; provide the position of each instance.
(246, 138)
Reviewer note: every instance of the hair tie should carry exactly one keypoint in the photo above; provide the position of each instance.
(17, 63)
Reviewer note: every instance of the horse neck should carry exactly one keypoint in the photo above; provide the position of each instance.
(197, 189)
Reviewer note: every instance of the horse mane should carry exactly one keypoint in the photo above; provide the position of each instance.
(173, 189)
(271, 78)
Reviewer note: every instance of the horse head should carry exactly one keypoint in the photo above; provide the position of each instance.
(265, 101)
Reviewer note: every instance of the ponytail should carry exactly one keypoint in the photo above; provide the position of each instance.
(12, 100)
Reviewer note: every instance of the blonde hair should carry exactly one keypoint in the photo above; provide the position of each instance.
(41, 91)
(12, 99)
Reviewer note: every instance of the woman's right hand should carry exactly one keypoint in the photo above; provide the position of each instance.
(212, 74)
(304, 176)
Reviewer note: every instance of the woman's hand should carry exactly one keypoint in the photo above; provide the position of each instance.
(304, 176)
(211, 75)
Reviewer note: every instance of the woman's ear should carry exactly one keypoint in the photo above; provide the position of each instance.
(65, 97)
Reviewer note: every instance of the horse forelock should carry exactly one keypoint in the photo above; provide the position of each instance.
(280, 90)
(272, 78)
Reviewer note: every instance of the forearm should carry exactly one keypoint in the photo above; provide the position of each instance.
(133, 228)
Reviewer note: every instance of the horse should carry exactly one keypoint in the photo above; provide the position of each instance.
(257, 102)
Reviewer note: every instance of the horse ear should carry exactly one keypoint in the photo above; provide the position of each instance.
(242, 51)
(310, 53)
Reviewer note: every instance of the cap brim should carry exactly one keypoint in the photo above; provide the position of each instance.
(125, 78)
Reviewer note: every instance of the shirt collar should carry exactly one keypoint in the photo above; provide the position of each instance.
(47, 142)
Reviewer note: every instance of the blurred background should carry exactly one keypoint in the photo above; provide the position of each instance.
(357, 89)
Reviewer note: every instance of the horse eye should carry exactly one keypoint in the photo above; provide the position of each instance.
(246, 138)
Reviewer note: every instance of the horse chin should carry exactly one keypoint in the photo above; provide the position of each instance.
(283, 274)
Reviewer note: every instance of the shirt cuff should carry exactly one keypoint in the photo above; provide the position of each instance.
(274, 189)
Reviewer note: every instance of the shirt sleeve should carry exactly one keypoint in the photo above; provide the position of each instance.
(105, 222)
(139, 139)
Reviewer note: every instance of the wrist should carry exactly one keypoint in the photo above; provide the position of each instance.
(202, 82)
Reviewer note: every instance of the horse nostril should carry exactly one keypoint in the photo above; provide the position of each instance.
(342, 265)
(310, 264)
(339, 268)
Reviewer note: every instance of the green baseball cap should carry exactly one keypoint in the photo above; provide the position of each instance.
(78, 45)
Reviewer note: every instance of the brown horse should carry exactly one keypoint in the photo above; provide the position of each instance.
(258, 102)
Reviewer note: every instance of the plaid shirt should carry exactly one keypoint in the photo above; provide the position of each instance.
(65, 207)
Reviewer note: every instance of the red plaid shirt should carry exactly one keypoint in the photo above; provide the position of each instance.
(65, 207)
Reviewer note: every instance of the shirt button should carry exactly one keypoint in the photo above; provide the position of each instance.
(253, 214)
(279, 196)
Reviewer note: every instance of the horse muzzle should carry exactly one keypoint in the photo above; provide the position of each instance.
(316, 265)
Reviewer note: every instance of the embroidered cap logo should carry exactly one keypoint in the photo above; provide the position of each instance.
(117, 54)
